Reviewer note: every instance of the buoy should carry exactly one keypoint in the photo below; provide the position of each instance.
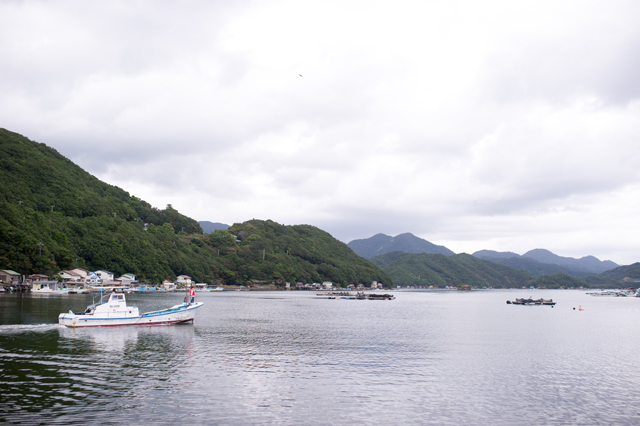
(581, 308)
(574, 309)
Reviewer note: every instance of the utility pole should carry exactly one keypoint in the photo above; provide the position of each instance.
(52, 208)
(263, 255)
(40, 248)
(114, 215)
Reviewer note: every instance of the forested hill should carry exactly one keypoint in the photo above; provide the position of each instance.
(293, 253)
(55, 216)
(37, 177)
(439, 271)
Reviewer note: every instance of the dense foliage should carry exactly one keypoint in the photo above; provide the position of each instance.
(439, 271)
(615, 278)
(54, 216)
(299, 253)
(557, 281)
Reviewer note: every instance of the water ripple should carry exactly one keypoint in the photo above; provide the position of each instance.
(252, 359)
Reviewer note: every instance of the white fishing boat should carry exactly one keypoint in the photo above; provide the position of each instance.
(115, 312)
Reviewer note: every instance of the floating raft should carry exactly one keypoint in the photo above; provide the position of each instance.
(548, 302)
(355, 296)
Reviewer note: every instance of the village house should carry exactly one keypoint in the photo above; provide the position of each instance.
(183, 280)
(39, 282)
(8, 276)
(37, 278)
(127, 279)
(83, 273)
(104, 275)
(168, 285)
(68, 276)
(93, 279)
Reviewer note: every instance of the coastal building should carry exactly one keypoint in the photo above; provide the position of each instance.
(70, 276)
(93, 279)
(183, 280)
(35, 279)
(104, 275)
(83, 273)
(41, 285)
(168, 285)
(9, 277)
(127, 279)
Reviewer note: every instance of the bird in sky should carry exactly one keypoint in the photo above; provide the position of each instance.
(300, 75)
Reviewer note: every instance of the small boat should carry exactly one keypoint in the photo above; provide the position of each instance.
(115, 312)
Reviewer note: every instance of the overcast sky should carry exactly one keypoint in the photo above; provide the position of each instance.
(501, 125)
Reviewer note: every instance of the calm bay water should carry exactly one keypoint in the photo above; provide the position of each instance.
(442, 358)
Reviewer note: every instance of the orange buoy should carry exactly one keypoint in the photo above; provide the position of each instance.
(581, 308)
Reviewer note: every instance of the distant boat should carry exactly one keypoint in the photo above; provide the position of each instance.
(115, 312)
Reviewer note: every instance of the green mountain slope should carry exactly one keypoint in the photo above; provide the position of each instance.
(557, 281)
(94, 225)
(622, 276)
(439, 271)
(622, 272)
(294, 253)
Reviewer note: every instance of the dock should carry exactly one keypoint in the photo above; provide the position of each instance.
(360, 295)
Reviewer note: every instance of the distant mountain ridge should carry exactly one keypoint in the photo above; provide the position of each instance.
(543, 262)
(209, 227)
(437, 270)
(408, 243)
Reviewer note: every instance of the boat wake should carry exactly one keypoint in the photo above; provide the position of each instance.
(28, 328)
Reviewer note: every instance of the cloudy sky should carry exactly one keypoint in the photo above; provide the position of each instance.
(502, 125)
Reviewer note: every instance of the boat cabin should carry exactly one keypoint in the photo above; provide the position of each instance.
(115, 307)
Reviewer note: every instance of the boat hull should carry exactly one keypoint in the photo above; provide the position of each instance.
(175, 315)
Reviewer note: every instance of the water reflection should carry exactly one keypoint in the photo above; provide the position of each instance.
(447, 359)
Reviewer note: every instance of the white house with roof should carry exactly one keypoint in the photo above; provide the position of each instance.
(82, 272)
(70, 276)
(183, 279)
(104, 275)
(93, 278)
